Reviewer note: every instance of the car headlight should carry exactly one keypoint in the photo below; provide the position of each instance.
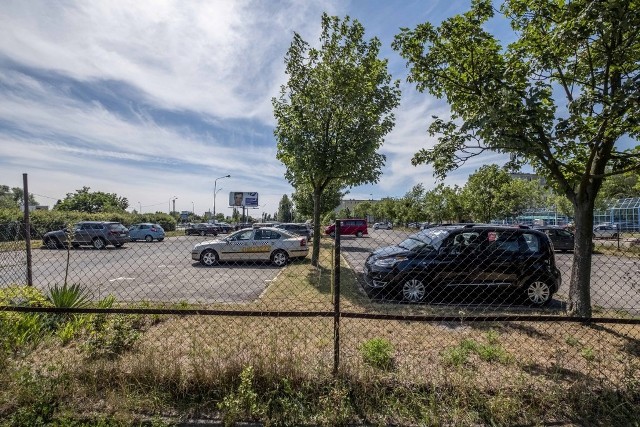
(389, 262)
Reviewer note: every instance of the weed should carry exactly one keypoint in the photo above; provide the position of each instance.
(112, 336)
(572, 341)
(241, 404)
(588, 353)
(378, 352)
(68, 296)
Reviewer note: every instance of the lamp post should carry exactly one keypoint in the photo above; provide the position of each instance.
(139, 207)
(215, 186)
(193, 208)
(173, 199)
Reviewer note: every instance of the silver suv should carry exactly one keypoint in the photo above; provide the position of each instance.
(98, 234)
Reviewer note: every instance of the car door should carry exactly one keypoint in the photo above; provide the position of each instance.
(564, 240)
(264, 242)
(237, 247)
(500, 259)
(454, 267)
(82, 233)
(134, 232)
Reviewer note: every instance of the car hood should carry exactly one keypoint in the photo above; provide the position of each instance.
(388, 251)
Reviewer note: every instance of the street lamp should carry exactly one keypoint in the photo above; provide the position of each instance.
(140, 207)
(193, 208)
(215, 186)
(173, 199)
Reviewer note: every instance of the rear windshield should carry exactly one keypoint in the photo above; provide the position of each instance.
(117, 227)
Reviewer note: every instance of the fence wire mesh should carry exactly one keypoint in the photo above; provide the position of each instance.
(199, 305)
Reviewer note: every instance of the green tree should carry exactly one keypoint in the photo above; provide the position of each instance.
(334, 111)
(285, 209)
(84, 200)
(560, 97)
(303, 200)
(481, 194)
(13, 197)
(517, 196)
(443, 204)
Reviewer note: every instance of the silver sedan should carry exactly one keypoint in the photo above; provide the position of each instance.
(259, 244)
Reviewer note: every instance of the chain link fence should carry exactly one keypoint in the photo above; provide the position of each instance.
(455, 309)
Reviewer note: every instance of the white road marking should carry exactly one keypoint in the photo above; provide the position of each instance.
(122, 278)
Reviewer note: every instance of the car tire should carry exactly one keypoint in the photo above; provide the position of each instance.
(98, 243)
(209, 258)
(538, 293)
(359, 234)
(614, 236)
(118, 245)
(413, 290)
(52, 243)
(279, 258)
(148, 238)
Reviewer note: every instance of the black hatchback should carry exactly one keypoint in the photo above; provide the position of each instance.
(465, 258)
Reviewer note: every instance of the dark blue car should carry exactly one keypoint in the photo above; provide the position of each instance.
(463, 259)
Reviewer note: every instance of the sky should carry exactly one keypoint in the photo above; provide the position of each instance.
(158, 100)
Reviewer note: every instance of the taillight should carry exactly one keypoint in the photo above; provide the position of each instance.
(303, 242)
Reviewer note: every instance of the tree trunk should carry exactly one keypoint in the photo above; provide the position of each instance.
(315, 253)
(580, 282)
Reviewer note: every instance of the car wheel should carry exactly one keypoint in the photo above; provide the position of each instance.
(413, 290)
(209, 258)
(359, 234)
(332, 235)
(279, 258)
(203, 233)
(538, 293)
(51, 243)
(118, 245)
(148, 238)
(98, 243)
(615, 236)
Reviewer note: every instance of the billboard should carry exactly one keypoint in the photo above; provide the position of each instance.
(243, 198)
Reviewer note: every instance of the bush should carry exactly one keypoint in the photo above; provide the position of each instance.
(378, 352)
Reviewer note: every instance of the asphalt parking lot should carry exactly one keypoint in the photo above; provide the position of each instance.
(153, 272)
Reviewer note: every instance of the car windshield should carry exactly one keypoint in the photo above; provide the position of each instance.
(428, 238)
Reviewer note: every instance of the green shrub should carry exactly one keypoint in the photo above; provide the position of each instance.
(18, 330)
(112, 335)
(241, 404)
(377, 352)
(69, 296)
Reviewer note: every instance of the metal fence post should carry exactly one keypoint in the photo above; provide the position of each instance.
(336, 301)
(27, 228)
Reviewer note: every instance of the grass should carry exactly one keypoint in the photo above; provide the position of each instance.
(118, 370)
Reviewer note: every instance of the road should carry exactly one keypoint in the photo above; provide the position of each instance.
(153, 272)
(615, 280)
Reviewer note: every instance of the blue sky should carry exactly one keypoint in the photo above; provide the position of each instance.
(155, 99)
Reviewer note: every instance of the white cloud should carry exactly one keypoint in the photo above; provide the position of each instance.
(223, 58)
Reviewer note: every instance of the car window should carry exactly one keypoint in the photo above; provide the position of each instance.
(564, 233)
(266, 235)
(244, 235)
(533, 242)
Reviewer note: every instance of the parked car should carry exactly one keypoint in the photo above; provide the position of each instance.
(468, 258)
(252, 244)
(383, 226)
(242, 225)
(146, 231)
(296, 228)
(98, 234)
(354, 227)
(201, 229)
(562, 239)
(223, 227)
(606, 231)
